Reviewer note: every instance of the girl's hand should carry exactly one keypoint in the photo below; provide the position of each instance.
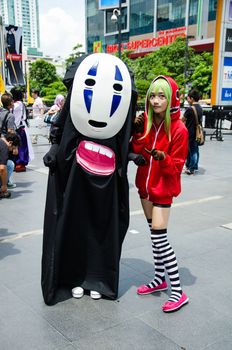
(157, 155)
(139, 123)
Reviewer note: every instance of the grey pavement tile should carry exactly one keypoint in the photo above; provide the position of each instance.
(200, 242)
(20, 268)
(133, 334)
(196, 326)
(23, 329)
(78, 318)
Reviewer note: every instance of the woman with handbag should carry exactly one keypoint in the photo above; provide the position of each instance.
(52, 114)
(25, 154)
(162, 139)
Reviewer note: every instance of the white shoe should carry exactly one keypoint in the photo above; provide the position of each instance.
(77, 292)
(95, 295)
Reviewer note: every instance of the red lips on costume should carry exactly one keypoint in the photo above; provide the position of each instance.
(96, 159)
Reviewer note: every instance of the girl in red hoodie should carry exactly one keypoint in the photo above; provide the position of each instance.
(161, 139)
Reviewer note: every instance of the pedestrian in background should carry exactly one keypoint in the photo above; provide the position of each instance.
(7, 119)
(25, 153)
(8, 145)
(54, 111)
(163, 142)
(37, 112)
(190, 121)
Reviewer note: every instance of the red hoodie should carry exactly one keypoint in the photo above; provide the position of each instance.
(159, 180)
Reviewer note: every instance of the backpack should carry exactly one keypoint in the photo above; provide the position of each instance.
(200, 134)
(3, 128)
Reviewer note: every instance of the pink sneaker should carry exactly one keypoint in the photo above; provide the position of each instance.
(175, 305)
(143, 290)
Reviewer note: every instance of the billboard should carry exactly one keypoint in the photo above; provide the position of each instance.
(226, 93)
(13, 55)
(107, 4)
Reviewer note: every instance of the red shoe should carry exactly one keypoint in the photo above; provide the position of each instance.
(20, 168)
(143, 290)
(175, 305)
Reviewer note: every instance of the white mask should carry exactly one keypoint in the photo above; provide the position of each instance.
(101, 96)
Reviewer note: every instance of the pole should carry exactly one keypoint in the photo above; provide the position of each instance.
(2, 51)
(119, 28)
(186, 45)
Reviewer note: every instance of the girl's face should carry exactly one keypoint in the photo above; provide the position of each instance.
(159, 102)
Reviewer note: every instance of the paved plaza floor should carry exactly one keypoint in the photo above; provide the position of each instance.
(200, 232)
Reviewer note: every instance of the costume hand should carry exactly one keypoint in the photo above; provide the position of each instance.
(50, 157)
(139, 123)
(137, 158)
(157, 155)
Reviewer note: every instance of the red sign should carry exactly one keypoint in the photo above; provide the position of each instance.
(165, 37)
(13, 57)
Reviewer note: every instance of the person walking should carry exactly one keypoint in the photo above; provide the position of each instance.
(37, 112)
(190, 121)
(162, 139)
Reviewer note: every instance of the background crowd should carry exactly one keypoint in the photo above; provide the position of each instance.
(16, 149)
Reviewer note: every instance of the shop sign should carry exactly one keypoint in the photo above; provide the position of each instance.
(97, 46)
(164, 37)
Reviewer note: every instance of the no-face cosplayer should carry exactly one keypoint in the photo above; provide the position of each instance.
(87, 206)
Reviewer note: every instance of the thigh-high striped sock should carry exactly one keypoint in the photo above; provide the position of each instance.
(158, 263)
(166, 253)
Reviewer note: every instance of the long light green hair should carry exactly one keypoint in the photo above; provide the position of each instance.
(160, 83)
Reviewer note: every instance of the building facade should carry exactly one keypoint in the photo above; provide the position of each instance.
(148, 24)
(25, 14)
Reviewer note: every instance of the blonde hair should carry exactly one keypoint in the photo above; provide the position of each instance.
(155, 86)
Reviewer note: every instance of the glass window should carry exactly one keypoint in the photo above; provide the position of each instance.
(112, 27)
(193, 7)
(170, 14)
(212, 10)
(141, 17)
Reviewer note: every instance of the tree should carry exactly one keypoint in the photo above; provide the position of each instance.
(42, 73)
(201, 77)
(49, 93)
(75, 54)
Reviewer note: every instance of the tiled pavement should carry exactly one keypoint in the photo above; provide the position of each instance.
(200, 231)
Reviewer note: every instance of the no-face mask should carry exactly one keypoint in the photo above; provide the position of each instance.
(101, 96)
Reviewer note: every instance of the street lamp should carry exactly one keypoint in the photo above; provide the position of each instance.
(116, 18)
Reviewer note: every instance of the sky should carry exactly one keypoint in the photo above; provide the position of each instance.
(62, 26)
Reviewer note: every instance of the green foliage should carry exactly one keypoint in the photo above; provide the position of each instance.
(42, 74)
(49, 93)
(142, 87)
(202, 73)
(176, 60)
(76, 53)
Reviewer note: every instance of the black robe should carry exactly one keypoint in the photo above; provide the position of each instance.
(86, 215)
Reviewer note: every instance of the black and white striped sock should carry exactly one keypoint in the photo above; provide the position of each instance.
(158, 263)
(168, 257)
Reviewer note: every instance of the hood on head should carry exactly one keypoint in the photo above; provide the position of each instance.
(175, 99)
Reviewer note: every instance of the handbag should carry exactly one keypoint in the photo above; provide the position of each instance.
(50, 118)
(200, 134)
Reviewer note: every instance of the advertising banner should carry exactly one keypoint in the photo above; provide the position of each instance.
(13, 55)
(97, 47)
(227, 80)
